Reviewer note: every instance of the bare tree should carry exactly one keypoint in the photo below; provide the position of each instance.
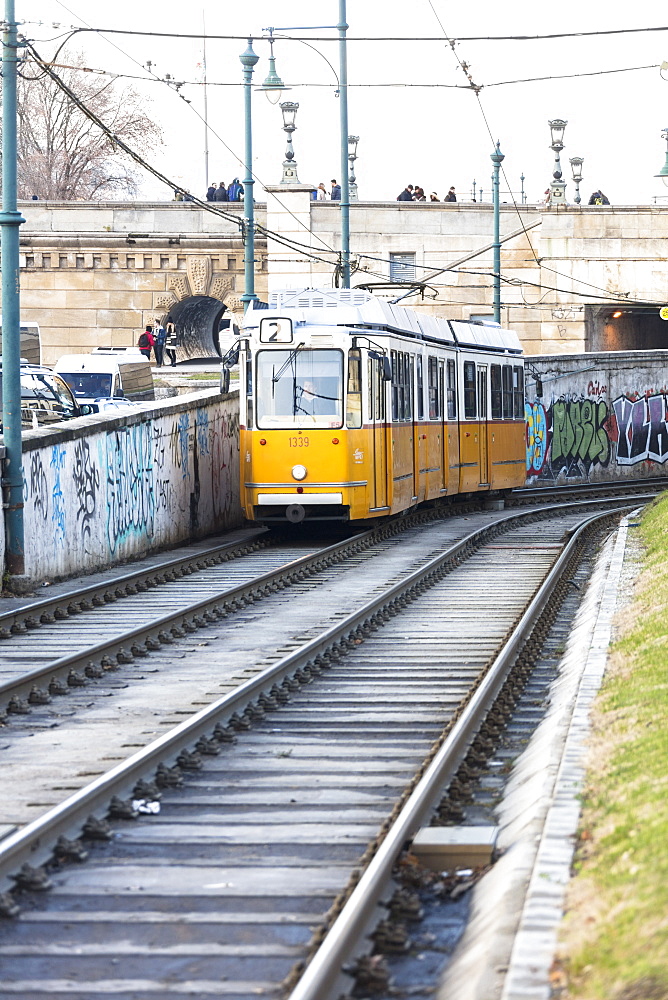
(62, 154)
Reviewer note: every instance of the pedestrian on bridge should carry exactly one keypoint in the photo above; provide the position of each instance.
(146, 341)
(170, 342)
(159, 337)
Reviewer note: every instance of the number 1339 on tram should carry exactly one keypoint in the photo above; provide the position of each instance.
(353, 409)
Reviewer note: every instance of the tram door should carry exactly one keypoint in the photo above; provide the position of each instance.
(483, 456)
(377, 413)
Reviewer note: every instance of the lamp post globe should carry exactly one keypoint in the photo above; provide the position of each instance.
(557, 185)
(663, 173)
(576, 170)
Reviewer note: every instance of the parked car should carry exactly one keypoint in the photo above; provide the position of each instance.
(45, 397)
(109, 374)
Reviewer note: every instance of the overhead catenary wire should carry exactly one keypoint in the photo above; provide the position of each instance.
(412, 39)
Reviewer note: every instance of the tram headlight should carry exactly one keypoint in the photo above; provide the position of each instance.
(299, 472)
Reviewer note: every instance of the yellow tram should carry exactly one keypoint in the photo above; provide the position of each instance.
(354, 408)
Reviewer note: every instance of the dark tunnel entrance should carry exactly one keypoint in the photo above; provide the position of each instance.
(625, 328)
(200, 322)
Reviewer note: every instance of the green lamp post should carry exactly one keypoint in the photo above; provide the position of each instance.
(497, 158)
(248, 60)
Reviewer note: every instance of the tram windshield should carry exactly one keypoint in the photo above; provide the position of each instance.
(299, 388)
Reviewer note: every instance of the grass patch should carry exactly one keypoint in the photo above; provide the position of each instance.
(615, 935)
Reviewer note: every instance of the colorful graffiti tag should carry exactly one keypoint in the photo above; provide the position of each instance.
(642, 429)
(568, 437)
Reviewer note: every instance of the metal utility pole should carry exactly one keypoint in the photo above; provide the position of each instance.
(248, 60)
(345, 186)
(207, 179)
(497, 160)
(10, 220)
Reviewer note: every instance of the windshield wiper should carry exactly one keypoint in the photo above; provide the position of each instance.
(288, 361)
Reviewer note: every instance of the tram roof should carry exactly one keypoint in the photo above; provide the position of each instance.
(356, 308)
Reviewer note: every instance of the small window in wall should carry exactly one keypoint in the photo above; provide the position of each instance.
(402, 267)
(354, 394)
(452, 391)
(518, 393)
(495, 384)
(470, 408)
(507, 392)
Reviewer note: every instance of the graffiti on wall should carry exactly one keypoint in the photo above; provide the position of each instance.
(58, 455)
(573, 436)
(569, 437)
(642, 429)
(129, 486)
(86, 478)
(130, 494)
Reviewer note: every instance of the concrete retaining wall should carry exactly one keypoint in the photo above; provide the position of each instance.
(100, 490)
(598, 416)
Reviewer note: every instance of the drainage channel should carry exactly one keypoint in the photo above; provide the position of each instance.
(193, 899)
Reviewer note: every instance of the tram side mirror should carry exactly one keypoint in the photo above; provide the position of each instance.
(539, 387)
(386, 367)
(231, 358)
(225, 380)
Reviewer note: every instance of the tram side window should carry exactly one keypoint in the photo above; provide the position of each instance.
(249, 389)
(507, 392)
(420, 388)
(376, 390)
(410, 382)
(495, 384)
(470, 408)
(354, 393)
(432, 380)
(518, 392)
(402, 376)
(452, 391)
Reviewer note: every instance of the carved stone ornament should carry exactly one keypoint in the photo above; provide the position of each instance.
(220, 286)
(180, 285)
(199, 273)
(165, 301)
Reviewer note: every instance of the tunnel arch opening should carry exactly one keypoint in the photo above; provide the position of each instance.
(203, 327)
(625, 328)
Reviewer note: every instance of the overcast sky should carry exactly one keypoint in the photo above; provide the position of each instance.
(417, 127)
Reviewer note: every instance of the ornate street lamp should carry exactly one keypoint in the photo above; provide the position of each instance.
(497, 159)
(576, 169)
(663, 173)
(352, 156)
(289, 111)
(248, 60)
(273, 86)
(557, 185)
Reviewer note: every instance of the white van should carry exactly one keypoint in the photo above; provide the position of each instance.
(108, 376)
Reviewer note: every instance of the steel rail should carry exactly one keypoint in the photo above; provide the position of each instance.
(163, 630)
(34, 843)
(66, 604)
(323, 973)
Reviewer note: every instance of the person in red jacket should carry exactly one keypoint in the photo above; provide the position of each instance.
(146, 342)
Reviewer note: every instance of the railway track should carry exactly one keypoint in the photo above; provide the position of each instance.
(271, 794)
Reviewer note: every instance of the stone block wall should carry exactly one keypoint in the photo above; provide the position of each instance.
(101, 490)
(596, 417)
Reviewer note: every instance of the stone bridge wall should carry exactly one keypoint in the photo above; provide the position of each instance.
(99, 491)
(597, 417)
